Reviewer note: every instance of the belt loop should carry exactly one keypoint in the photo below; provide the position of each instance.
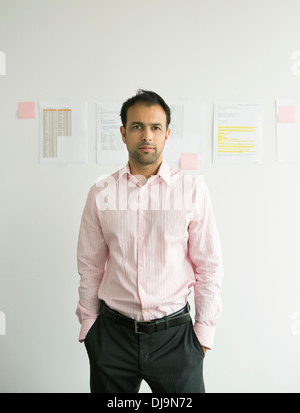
(166, 323)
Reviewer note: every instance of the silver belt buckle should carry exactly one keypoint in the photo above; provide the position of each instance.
(136, 328)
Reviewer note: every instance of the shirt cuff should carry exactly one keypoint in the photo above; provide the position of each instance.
(85, 326)
(205, 334)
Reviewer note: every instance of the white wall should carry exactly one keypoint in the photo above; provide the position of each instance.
(91, 50)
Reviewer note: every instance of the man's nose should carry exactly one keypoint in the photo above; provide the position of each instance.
(147, 136)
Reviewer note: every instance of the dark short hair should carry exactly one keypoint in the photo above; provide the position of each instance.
(147, 98)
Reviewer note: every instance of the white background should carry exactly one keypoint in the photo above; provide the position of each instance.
(104, 50)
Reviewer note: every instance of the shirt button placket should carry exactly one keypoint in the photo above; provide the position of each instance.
(141, 251)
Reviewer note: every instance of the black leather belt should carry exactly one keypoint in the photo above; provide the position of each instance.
(143, 327)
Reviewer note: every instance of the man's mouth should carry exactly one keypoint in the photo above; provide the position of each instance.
(146, 148)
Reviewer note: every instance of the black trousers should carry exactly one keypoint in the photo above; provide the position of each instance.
(170, 361)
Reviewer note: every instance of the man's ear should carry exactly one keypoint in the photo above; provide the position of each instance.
(123, 133)
(167, 134)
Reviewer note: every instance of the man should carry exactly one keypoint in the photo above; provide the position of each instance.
(148, 236)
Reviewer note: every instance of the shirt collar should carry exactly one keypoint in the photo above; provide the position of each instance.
(123, 171)
(163, 172)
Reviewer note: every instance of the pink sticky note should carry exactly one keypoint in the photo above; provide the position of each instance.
(26, 110)
(189, 160)
(286, 114)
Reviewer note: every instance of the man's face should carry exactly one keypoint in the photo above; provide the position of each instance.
(145, 133)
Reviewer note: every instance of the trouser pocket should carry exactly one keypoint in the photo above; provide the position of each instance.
(195, 341)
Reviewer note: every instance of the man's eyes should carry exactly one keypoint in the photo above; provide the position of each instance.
(138, 127)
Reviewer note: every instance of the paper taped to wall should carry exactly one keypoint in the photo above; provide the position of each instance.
(238, 132)
(110, 147)
(187, 130)
(288, 130)
(63, 132)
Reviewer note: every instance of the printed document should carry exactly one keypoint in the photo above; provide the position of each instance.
(238, 132)
(187, 131)
(110, 146)
(63, 132)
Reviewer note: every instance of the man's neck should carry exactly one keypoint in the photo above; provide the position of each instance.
(145, 170)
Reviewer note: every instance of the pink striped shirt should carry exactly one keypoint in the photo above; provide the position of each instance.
(142, 248)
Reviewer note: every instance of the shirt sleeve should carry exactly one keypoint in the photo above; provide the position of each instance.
(206, 258)
(92, 254)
